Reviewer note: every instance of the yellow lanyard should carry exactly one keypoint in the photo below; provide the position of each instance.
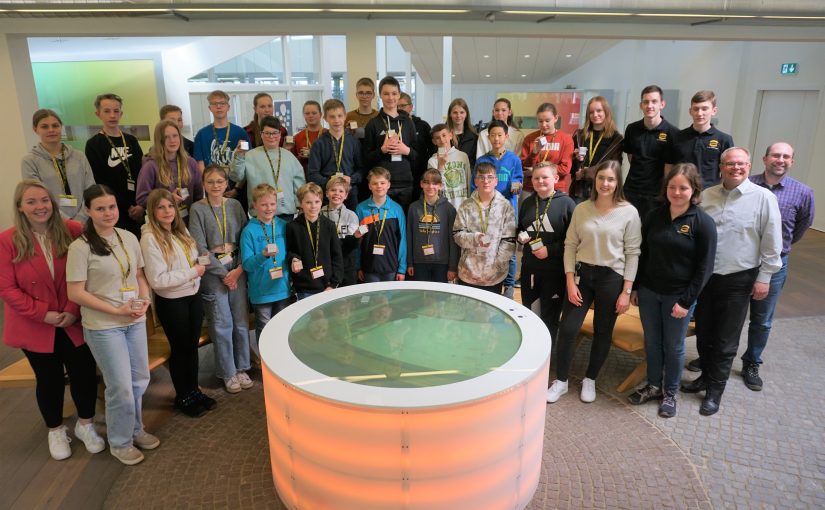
(64, 179)
(223, 209)
(275, 175)
(263, 227)
(432, 218)
(484, 221)
(309, 142)
(400, 127)
(547, 151)
(124, 272)
(383, 220)
(180, 170)
(340, 151)
(225, 140)
(123, 160)
(186, 251)
(317, 242)
(538, 226)
(592, 150)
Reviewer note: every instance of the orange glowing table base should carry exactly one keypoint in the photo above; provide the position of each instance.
(405, 395)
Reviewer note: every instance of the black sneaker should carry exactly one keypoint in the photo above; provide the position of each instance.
(667, 409)
(645, 394)
(694, 365)
(190, 406)
(208, 402)
(750, 373)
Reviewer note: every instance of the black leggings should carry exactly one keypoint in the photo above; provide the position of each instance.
(182, 319)
(48, 370)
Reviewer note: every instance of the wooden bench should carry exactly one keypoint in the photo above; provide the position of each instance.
(628, 336)
(20, 374)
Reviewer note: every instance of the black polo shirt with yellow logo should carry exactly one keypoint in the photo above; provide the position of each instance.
(649, 150)
(703, 150)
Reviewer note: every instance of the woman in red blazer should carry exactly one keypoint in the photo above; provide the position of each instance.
(40, 319)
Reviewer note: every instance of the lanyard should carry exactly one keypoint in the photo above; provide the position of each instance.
(538, 226)
(317, 242)
(484, 221)
(123, 160)
(591, 150)
(432, 218)
(180, 170)
(383, 220)
(275, 175)
(547, 152)
(400, 126)
(338, 222)
(225, 140)
(340, 151)
(263, 227)
(64, 179)
(223, 209)
(309, 141)
(124, 272)
(186, 251)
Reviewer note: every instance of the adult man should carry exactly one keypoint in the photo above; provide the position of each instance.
(647, 143)
(796, 205)
(748, 226)
(423, 142)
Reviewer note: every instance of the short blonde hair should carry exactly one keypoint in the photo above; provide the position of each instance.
(262, 190)
(337, 180)
(308, 188)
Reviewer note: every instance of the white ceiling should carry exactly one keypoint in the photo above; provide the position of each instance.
(48, 49)
(502, 59)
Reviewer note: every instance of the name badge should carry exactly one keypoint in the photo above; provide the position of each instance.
(317, 272)
(225, 258)
(390, 133)
(204, 260)
(536, 244)
(271, 249)
(378, 249)
(290, 139)
(275, 273)
(428, 249)
(130, 185)
(67, 201)
(397, 157)
(128, 293)
(184, 193)
(353, 124)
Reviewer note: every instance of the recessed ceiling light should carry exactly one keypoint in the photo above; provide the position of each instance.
(527, 56)
(486, 75)
(569, 55)
(524, 76)
(486, 56)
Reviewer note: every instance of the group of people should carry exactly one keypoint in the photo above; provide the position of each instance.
(252, 215)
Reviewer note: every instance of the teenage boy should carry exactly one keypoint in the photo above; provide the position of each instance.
(389, 142)
(215, 143)
(175, 114)
(115, 158)
(647, 143)
(701, 143)
(382, 230)
(485, 229)
(453, 164)
(346, 224)
(336, 154)
(431, 250)
(263, 254)
(423, 142)
(358, 118)
(509, 180)
(313, 248)
(305, 139)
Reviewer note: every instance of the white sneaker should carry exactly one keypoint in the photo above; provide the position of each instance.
(556, 390)
(145, 440)
(588, 390)
(87, 433)
(128, 455)
(244, 380)
(59, 444)
(232, 385)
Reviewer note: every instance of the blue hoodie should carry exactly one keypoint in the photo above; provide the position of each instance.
(508, 171)
(262, 288)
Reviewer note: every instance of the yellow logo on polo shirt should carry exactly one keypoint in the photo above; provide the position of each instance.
(713, 144)
(684, 229)
(662, 137)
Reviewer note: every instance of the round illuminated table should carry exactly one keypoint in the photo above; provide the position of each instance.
(405, 395)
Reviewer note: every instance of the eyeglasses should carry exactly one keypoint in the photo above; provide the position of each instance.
(485, 178)
(270, 133)
(219, 104)
(735, 164)
(219, 182)
(365, 94)
(403, 105)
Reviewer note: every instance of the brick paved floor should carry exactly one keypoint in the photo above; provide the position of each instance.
(762, 450)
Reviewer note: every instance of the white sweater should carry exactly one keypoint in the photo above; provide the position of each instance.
(168, 280)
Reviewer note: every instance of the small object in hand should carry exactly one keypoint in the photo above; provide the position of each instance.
(442, 151)
(523, 237)
(244, 145)
(204, 260)
(290, 139)
(363, 229)
(271, 249)
(137, 304)
(582, 151)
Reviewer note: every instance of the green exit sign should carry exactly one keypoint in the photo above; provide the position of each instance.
(791, 68)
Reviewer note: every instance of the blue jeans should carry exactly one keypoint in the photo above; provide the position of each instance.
(378, 277)
(123, 357)
(761, 318)
(430, 273)
(227, 316)
(664, 339)
(264, 312)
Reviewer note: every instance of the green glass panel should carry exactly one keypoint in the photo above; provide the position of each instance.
(405, 338)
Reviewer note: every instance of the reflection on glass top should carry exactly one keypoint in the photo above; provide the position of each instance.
(405, 338)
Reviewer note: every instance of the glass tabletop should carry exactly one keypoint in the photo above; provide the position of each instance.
(404, 338)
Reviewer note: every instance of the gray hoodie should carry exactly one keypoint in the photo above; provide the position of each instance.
(38, 165)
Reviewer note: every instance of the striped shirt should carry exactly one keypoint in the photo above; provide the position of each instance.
(796, 205)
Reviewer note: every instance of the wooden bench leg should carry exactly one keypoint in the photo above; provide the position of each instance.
(635, 377)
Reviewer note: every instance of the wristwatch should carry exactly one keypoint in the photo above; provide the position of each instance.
(628, 291)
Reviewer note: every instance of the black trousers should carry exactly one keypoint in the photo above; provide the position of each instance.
(601, 286)
(495, 289)
(181, 319)
(551, 290)
(642, 203)
(48, 370)
(720, 314)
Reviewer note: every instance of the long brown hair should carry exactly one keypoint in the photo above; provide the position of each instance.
(97, 244)
(616, 167)
(609, 123)
(163, 236)
(256, 122)
(158, 153)
(468, 124)
(23, 237)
